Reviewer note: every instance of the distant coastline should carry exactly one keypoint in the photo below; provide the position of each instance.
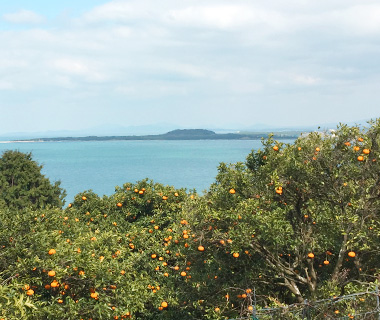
(179, 134)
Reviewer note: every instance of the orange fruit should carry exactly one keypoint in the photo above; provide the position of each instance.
(326, 262)
(201, 248)
(235, 255)
(164, 304)
(232, 191)
(52, 251)
(84, 198)
(311, 255)
(360, 158)
(94, 295)
(275, 148)
(183, 274)
(30, 292)
(119, 204)
(366, 151)
(51, 273)
(351, 254)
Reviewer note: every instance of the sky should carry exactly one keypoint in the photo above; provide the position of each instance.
(70, 65)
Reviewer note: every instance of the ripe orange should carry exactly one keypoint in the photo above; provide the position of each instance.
(30, 292)
(232, 191)
(311, 255)
(360, 158)
(201, 248)
(94, 295)
(235, 255)
(279, 190)
(153, 256)
(360, 139)
(351, 254)
(317, 149)
(164, 304)
(52, 251)
(326, 262)
(51, 273)
(84, 198)
(183, 274)
(275, 148)
(119, 204)
(366, 151)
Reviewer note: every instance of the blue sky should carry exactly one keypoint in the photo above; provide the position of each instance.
(79, 64)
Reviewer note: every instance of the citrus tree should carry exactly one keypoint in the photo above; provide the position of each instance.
(296, 222)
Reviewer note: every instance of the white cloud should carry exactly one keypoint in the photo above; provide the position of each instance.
(5, 85)
(305, 79)
(361, 18)
(71, 66)
(219, 16)
(24, 16)
(118, 11)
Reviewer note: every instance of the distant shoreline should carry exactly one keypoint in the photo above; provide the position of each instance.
(179, 134)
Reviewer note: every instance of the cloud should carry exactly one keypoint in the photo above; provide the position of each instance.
(197, 54)
(121, 11)
(23, 16)
(219, 16)
(305, 79)
(5, 85)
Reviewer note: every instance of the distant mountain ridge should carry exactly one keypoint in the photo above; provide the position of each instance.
(178, 134)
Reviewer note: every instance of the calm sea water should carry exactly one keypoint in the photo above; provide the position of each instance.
(102, 165)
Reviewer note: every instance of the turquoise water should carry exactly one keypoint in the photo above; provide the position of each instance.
(102, 165)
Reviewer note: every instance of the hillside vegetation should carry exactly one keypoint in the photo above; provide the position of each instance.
(295, 222)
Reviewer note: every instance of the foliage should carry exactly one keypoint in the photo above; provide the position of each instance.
(293, 223)
(23, 185)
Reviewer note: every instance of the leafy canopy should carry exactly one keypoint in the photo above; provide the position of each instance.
(23, 185)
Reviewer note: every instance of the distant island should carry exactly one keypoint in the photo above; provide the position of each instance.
(179, 134)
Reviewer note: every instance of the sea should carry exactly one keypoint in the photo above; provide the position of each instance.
(101, 165)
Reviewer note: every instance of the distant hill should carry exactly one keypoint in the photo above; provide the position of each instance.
(180, 134)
